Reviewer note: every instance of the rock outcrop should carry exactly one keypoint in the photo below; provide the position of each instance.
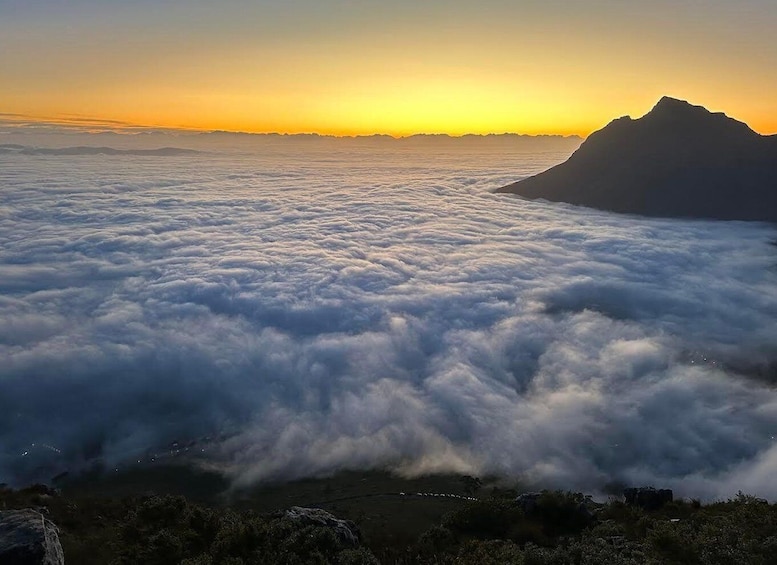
(648, 498)
(527, 501)
(27, 537)
(345, 530)
(678, 160)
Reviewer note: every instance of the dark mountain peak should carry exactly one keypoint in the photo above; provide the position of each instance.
(677, 160)
(669, 104)
(673, 110)
(681, 118)
(668, 111)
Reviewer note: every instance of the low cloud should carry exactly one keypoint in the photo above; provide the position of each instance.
(313, 313)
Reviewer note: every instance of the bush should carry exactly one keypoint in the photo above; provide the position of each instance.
(484, 519)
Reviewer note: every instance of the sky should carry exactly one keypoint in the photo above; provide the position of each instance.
(401, 67)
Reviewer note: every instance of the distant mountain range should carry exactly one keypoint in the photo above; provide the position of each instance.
(40, 139)
(85, 150)
(678, 160)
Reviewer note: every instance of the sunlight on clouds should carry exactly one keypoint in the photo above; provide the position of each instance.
(322, 307)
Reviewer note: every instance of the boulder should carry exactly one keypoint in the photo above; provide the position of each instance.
(27, 537)
(527, 501)
(648, 498)
(345, 530)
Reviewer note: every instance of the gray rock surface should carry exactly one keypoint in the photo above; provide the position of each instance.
(528, 501)
(647, 497)
(27, 537)
(347, 532)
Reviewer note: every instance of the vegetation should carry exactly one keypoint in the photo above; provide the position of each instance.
(555, 528)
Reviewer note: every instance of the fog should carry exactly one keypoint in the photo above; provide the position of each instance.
(315, 310)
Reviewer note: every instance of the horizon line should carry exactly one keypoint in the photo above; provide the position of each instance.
(87, 125)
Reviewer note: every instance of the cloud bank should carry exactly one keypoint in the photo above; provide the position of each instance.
(356, 309)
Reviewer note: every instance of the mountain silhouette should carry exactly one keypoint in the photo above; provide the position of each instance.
(677, 160)
(88, 150)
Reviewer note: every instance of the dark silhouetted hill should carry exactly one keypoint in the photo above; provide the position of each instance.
(677, 160)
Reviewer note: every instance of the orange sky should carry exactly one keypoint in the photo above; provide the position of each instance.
(364, 67)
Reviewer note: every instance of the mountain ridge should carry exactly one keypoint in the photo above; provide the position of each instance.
(678, 160)
(15, 148)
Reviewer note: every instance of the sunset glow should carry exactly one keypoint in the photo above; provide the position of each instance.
(363, 67)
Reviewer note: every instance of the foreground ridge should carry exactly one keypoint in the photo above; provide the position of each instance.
(646, 525)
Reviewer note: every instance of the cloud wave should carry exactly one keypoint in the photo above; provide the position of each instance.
(355, 309)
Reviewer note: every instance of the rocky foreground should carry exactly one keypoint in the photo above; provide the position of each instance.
(488, 525)
(27, 537)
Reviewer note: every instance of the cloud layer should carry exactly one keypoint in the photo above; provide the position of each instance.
(325, 310)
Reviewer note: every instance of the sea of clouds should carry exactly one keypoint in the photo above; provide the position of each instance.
(310, 311)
